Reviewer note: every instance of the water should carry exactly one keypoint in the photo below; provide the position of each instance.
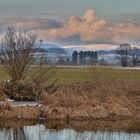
(42, 132)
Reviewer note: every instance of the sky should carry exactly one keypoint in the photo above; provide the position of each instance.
(74, 22)
(109, 9)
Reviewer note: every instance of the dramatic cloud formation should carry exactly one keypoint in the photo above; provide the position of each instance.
(90, 28)
(86, 29)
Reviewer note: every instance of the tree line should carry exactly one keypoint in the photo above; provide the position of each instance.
(84, 57)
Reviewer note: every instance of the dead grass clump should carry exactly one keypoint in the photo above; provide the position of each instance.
(6, 106)
(2, 94)
(64, 100)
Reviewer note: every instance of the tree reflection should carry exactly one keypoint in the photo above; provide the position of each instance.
(39, 132)
(19, 134)
(13, 134)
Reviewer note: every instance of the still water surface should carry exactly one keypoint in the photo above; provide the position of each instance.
(41, 132)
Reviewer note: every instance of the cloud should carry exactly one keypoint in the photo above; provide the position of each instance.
(125, 32)
(30, 25)
(89, 28)
(86, 29)
(41, 24)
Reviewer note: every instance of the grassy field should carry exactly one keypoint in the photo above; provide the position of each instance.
(81, 74)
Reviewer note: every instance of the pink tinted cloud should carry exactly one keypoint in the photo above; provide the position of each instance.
(88, 27)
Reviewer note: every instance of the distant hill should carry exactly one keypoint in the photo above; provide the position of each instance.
(49, 45)
(52, 48)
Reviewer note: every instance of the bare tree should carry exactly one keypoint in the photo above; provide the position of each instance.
(124, 51)
(135, 56)
(17, 52)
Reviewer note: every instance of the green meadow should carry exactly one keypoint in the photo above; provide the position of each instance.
(79, 74)
(70, 74)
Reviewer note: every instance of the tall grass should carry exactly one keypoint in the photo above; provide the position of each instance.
(93, 93)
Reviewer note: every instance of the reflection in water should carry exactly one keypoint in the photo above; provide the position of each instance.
(39, 132)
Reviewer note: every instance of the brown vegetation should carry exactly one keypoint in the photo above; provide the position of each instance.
(84, 101)
(5, 106)
(79, 93)
(94, 100)
(2, 95)
(25, 113)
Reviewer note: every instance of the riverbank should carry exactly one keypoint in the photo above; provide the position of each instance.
(80, 101)
(113, 109)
